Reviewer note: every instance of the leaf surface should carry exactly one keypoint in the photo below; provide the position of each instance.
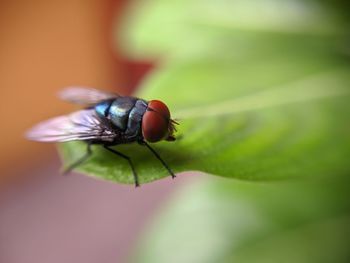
(255, 101)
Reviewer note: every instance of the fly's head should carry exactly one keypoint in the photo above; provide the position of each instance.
(157, 124)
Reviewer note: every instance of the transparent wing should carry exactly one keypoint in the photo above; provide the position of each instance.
(80, 125)
(85, 96)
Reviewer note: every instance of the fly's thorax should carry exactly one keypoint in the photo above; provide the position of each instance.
(119, 111)
(124, 114)
(135, 118)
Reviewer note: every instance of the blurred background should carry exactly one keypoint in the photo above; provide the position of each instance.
(45, 217)
(47, 45)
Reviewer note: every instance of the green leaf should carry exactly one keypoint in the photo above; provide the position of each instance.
(255, 101)
(234, 221)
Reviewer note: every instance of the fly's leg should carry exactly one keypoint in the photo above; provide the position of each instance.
(80, 161)
(160, 159)
(136, 179)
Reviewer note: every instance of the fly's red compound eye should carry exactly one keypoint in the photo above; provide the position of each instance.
(155, 121)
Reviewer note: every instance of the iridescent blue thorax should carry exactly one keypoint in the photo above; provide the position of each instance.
(124, 114)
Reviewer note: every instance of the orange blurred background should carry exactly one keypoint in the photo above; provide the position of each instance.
(45, 46)
(44, 217)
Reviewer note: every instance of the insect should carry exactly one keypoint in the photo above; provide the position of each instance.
(108, 120)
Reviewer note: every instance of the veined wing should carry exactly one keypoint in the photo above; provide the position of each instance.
(85, 95)
(80, 125)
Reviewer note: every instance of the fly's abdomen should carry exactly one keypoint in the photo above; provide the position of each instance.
(102, 108)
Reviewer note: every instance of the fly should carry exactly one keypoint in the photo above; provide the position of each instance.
(108, 120)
